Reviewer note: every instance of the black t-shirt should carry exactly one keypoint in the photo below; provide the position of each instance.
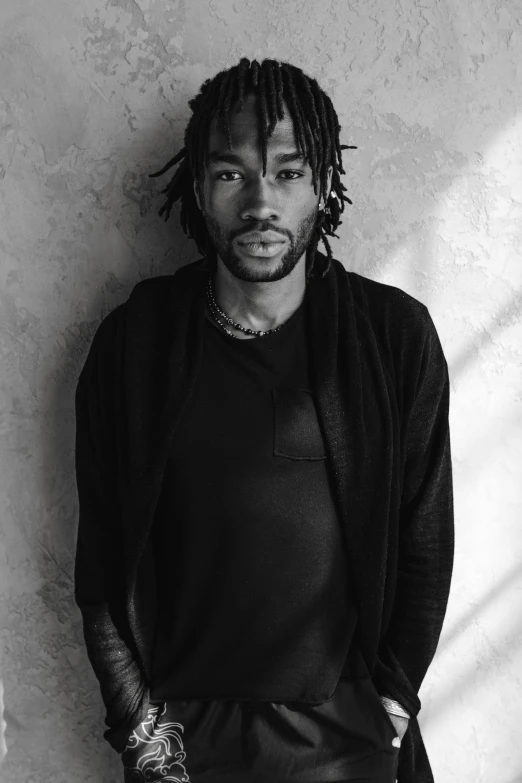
(253, 592)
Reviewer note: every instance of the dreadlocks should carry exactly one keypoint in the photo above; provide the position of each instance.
(317, 131)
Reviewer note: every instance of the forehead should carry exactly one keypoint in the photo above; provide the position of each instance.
(245, 133)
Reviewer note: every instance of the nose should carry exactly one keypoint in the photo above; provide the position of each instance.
(260, 202)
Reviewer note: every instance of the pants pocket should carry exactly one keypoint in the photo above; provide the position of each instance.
(387, 717)
(392, 736)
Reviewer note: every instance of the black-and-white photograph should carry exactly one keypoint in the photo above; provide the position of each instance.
(294, 559)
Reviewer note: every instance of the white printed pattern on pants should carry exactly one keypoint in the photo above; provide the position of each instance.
(162, 741)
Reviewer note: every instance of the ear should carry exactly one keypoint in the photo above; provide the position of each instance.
(329, 179)
(194, 185)
(328, 185)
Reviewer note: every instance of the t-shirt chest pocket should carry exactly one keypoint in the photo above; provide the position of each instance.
(297, 434)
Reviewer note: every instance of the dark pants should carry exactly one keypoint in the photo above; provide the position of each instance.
(348, 738)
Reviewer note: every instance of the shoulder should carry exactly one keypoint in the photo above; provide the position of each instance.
(163, 285)
(395, 316)
(146, 311)
(400, 324)
(150, 297)
(387, 305)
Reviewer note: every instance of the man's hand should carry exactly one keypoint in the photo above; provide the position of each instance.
(401, 724)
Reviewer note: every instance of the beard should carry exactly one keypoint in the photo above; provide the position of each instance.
(261, 271)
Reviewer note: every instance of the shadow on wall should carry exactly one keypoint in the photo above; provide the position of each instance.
(465, 621)
(510, 643)
(506, 316)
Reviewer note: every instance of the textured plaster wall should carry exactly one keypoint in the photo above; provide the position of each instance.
(93, 96)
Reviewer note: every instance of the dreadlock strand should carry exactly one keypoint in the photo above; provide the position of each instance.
(272, 95)
(336, 205)
(344, 198)
(310, 144)
(221, 117)
(173, 190)
(242, 71)
(306, 82)
(231, 86)
(328, 251)
(295, 112)
(279, 90)
(334, 123)
(221, 95)
(208, 110)
(345, 147)
(331, 112)
(169, 190)
(263, 118)
(220, 99)
(322, 134)
(254, 67)
(171, 163)
(326, 147)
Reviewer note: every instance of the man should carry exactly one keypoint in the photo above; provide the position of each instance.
(265, 540)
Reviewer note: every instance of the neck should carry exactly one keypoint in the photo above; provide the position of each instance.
(260, 306)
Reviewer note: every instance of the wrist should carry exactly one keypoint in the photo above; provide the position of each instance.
(394, 707)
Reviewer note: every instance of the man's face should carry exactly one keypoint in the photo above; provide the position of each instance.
(238, 200)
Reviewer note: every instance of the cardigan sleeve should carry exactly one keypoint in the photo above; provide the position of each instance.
(426, 526)
(98, 574)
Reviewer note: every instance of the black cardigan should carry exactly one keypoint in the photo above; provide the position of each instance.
(381, 384)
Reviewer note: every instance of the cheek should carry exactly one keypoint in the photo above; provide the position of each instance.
(308, 209)
(216, 203)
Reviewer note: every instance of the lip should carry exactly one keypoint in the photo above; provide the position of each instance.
(258, 238)
(261, 250)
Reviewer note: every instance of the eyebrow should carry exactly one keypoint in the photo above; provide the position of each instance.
(229, 157)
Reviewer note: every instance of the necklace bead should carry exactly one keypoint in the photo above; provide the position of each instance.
(216, 311)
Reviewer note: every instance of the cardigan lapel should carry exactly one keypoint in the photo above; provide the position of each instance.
(354, 412)
(163, 349)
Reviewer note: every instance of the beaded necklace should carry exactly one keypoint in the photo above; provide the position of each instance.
(217, 314)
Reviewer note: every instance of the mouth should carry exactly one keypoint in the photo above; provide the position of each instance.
(261, 249)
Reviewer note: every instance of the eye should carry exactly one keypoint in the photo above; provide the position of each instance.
(224, 173)
(298, 175)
